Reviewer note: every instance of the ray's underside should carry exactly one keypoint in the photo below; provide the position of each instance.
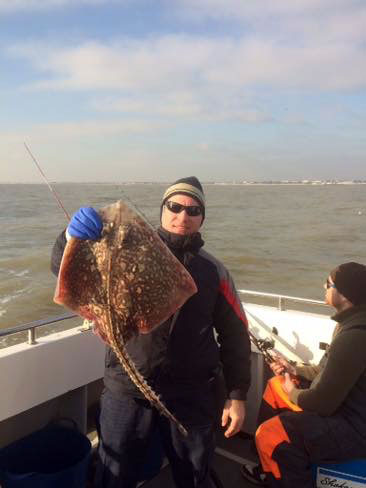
(127, 283)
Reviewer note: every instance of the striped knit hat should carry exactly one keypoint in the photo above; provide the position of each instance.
(187, 186)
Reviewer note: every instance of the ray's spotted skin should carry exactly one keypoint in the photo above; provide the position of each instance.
(127, 283)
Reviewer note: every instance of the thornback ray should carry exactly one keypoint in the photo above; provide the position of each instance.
(127, 283)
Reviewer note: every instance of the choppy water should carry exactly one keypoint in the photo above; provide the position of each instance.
(280, 239)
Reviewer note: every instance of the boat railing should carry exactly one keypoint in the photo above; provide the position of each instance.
(282, 299)
(31, 327)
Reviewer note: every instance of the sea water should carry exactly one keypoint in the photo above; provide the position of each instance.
(274, 238)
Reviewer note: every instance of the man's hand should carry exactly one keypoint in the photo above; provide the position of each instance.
(233, 416)
(280, 365)
(85, 224)
(288, 385)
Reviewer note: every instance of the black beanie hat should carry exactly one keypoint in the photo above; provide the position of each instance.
(350, 281)
(187, 186)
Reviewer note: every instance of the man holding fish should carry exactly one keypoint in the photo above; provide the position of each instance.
(180, 359)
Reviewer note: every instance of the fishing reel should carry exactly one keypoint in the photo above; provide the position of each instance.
(266, 344)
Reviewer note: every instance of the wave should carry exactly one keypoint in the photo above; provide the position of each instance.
(16, 294)
(13, 272)
(274, 238)
(26, 263)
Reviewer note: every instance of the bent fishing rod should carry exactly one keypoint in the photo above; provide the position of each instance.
(53, 191)
(47, 182)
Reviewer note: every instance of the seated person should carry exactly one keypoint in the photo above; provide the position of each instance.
(326, 421)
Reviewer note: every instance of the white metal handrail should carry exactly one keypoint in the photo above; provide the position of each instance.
(31, 326)
(282, 298)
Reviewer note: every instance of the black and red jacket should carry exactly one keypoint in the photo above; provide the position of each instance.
(210, 330)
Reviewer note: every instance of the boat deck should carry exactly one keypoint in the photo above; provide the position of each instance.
(34, 398)
(229, 456)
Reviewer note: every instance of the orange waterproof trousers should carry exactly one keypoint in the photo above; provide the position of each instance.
(271, 433)
(289, 440)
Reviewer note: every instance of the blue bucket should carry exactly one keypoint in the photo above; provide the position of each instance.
(54, 457)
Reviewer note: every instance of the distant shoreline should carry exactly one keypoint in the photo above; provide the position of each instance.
(213, 183)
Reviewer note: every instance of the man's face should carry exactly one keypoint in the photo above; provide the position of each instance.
(330, 290)
(181, 223)
(333, 297)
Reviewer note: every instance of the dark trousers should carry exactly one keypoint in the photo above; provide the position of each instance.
(127, 426)
(290, 440)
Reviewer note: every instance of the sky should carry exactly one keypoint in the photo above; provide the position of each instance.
(154, 90)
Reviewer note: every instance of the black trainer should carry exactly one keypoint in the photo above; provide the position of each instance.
(254, 474)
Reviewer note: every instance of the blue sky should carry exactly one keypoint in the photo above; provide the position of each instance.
(121, 90)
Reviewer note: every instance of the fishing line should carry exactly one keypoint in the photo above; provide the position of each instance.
(47, 182)
(138, 210)
(59, 200)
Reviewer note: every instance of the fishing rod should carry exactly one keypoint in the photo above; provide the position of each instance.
(54, 193)
(47, 182)
(59, 200)
(265, 346)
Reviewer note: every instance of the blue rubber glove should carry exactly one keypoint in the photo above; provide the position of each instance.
(85, 224)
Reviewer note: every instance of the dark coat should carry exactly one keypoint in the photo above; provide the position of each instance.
(210, 330)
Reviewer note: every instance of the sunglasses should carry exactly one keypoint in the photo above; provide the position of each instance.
(192, 210)
(329, 284)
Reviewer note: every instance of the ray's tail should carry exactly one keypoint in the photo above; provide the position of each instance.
(142, 385)
(129, 366)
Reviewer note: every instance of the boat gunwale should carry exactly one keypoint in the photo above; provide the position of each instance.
(32, 326)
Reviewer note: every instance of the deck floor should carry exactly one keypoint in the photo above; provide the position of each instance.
(229, 456)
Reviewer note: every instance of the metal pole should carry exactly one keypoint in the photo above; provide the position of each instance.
(32, 336)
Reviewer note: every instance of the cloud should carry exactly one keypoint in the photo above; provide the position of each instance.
(239, 10)
(243, 80)
(205, 107)
(8, 6)
(67, 131)
(168, 105)
(289, 21)
(171, 76)
(203, 146)
(269, 63)
(297, 46)
(204, 8)
(92, 150)
(182, 61)
(123, 65)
